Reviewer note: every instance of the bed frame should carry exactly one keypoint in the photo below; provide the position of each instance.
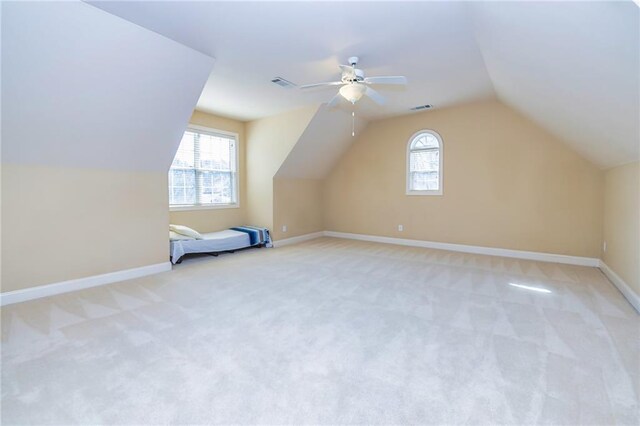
(216, 253)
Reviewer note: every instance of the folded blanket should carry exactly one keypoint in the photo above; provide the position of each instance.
(256, 235)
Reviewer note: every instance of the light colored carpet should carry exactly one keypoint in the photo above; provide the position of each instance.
(329, 331)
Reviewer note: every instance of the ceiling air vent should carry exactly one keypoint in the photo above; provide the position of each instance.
(282, 82)
(421, 107)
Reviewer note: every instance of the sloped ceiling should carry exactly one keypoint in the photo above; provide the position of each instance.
(432, 43)
(570, 66)
(84, 88)
(325, 139)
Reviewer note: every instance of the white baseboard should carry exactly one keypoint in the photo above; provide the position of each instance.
(18, 296)
(490, 251)
(298, 239)
(23, 295)
(624, 288)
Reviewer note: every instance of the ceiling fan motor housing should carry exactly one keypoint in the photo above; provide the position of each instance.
(358, 75)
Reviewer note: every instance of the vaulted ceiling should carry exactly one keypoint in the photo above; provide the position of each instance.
(83, 88)
(430, 43)
(321, 145)
(572, 67)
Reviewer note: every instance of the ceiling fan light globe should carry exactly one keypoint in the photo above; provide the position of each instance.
(353, 92)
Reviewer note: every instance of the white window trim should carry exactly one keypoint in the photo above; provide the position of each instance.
(187, 207)
(439, 191)
(236, 205)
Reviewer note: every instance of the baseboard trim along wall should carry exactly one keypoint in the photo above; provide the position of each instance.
(18, 296)
(298, 239)
(490, 251)
(624, 288)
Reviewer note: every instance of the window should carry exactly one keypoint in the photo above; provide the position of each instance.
(424, 164)
(204, 173)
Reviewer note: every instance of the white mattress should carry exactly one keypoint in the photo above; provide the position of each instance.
(212, 242)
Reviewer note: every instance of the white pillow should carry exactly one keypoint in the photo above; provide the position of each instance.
(186, 231)
(178, 237)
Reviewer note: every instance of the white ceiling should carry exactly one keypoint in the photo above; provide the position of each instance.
(83, 88)
(322, 143)
(430, 43)
(570, 66)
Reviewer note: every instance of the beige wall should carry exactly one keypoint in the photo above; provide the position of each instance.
(86, 149)
(622, 223)
(65, 223)
(507, 184)
(269, 141)
(297, 203)
(217, 219)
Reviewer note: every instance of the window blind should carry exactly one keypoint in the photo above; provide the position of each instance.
(424, 167)
(204, 170)
(424, 163)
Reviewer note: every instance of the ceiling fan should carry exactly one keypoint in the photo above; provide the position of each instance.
(355, 84)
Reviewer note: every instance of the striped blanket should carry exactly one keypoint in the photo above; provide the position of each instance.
(256, 235)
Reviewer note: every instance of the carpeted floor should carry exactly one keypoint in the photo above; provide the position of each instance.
(329, 331)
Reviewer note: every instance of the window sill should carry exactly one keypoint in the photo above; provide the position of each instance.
(424, 192)
(211, 207)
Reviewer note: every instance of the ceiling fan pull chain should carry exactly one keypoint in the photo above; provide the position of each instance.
(353, 123)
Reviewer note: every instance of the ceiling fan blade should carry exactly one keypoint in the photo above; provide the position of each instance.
(390, 79)
(329, 83)
(375, 96)
(334, 101)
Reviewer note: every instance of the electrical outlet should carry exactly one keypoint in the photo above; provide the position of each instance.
(284, 228)
(400, 228)
(604, 246)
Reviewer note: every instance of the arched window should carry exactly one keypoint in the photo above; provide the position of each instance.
(424, 164)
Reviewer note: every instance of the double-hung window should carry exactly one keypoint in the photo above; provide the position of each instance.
(424, 164)
(204, 173)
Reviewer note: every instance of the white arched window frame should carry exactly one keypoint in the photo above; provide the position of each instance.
(424, 163)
